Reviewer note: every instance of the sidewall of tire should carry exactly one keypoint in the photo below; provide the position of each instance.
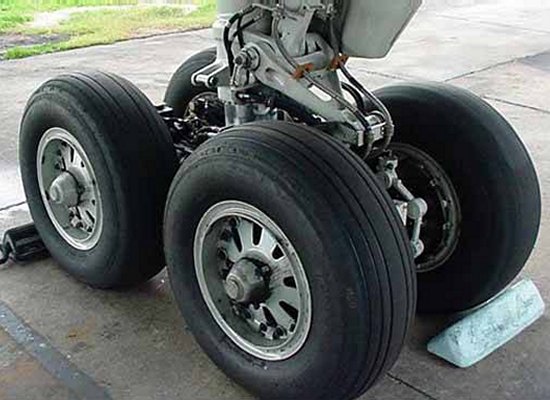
(495, 180)
(180, 89)
(48, 112)
(331, 363)
(129, 250)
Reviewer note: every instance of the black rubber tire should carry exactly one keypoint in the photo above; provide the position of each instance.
(180, 90)
(496, 184)
(132, 154)
(347, 234)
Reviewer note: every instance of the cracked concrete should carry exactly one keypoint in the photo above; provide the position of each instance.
(135, 344)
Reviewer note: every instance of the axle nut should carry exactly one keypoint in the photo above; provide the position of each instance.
(233, 289)
(64, 190)
(245, 283)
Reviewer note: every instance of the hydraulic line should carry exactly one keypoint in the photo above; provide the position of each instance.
(227, 41)
(390, 127)
(335, 95)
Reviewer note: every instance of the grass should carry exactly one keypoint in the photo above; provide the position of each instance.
(12, 15)
(16, 12)
(101, 26)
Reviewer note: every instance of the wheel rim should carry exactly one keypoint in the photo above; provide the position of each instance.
(69, 189)
(429, 181)
(252, 280)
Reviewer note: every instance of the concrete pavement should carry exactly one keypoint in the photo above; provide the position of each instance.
(135, 345)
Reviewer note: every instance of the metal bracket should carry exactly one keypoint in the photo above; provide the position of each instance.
(212, 76)
(273, 74)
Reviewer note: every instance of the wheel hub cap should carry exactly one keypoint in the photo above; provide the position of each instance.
(64, 190)
(245, 283)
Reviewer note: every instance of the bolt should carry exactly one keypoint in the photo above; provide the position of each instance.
(242, 60)
(239, 60)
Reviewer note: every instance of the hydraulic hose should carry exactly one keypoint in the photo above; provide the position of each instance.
(335, 95)
(390, 127)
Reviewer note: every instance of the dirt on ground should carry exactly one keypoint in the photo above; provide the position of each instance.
(10, 40)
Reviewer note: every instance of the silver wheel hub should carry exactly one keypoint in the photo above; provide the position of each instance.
(64, 190)
(69, 189)
(252, 281)
(245, 282)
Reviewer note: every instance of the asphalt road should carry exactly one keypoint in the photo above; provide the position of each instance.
(62, 340)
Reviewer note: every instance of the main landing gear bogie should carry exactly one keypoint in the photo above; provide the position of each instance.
(297, 261)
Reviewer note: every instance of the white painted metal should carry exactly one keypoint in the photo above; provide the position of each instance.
(371, 27)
